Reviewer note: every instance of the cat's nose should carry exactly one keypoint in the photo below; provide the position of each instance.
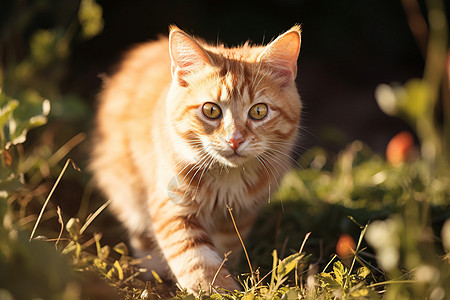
(235, 142)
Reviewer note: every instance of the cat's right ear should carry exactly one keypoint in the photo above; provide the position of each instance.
(186, 55)
(281, 55)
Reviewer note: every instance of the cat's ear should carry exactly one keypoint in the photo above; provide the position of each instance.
(281, 55)
(186, 54)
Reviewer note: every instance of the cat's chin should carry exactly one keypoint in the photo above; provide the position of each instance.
(233, 160)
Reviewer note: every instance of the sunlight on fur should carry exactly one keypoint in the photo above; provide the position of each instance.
(185, 129)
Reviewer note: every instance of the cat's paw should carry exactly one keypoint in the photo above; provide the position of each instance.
(220, 284)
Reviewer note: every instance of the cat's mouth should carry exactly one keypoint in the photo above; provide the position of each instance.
(234, 159)
(233, 155)
(230, 158)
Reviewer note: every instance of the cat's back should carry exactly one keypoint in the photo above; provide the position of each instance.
(131, 104)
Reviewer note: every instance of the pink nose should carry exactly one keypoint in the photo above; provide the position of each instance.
(235, 142)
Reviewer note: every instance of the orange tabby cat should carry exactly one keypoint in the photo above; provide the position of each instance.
(185, 129)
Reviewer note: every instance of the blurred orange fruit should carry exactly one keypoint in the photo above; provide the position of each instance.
(400, 148)
(345, 246)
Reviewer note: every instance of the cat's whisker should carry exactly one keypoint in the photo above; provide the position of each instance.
(304, 129)
(267, 159)
(193, 176)
(285, 145)
(187, 164)
(278, 161)
(271, 161)
(181, 161)
(278, 186)
(203, 155)
(287, 155)
(290, 147)
(211, 161)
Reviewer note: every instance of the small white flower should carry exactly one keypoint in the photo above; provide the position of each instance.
(388, 258)
(427, 274)
(383, 236)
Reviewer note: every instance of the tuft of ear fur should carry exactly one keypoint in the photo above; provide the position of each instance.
(186, 54)
(281, 55)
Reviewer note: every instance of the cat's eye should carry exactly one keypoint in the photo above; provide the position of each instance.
(258, 111)
(211, 110)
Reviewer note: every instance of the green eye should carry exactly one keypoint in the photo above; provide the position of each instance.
(258, 111)
(211, 110)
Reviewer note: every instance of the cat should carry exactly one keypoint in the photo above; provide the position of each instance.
(186, 129)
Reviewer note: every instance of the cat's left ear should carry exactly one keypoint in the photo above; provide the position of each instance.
(186, 55)
(281, 55)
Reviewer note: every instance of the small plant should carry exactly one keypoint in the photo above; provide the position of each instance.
(15, 121)
(341, 284)
(45, 272)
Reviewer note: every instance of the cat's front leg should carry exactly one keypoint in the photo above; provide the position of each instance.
(227, 239)
(190, 252)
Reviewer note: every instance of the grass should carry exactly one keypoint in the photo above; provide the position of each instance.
(303, 217)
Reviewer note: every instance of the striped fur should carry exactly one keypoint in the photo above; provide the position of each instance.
(171, 172)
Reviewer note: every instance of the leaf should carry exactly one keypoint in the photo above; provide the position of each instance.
(363, 272)
(20, 130)
(288, 264)
(361, 292)
(291, 294)
(121, 248)
(17, 118)
(119, 269)
(7, 110)
(339, 272)
(249, 296)
(328, 281)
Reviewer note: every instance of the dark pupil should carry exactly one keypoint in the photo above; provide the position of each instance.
(257, 110)
(212, 109)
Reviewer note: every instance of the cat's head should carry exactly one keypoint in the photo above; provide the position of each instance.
(234, 104)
